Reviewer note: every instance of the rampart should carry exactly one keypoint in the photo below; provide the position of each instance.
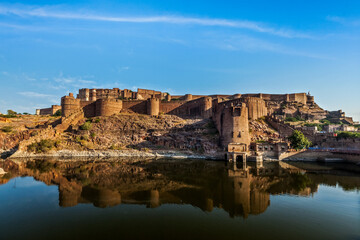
(230, 113)
(48, 111)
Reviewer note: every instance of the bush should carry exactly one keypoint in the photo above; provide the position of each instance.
(92, 134)
(43, 146)
(57, 113)
(32, 134)
(299, 141)
(86, 126)
(294, 119)
(325, 121)
(11, 112)
(341, 135)
(7, 129)
(85, 137)
(97, 120)
(8, 116)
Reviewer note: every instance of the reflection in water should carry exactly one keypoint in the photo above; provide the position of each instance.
(240, 189)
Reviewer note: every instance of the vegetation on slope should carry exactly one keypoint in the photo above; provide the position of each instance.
(299, 141)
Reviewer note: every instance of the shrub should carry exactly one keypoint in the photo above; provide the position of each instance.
(294, 119)
(43, 146)
(85, 137)
(11, 112)
(32, 134)
(299, 141)
(57, 113)
(114, 147)
(8, 116)
(86, 126)
(7, 129)
(78, 139)
(97, 120)
(92, 134)
(341, 135)
(325, 121)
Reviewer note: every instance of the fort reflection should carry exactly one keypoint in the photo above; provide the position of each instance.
(238, 188)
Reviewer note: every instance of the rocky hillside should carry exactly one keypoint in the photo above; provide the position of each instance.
(125, 132)
(142, 132)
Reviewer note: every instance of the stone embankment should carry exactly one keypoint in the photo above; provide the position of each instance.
(119, 153)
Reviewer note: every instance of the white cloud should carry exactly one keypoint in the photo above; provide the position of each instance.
(169, 19)
(251, 44)
(35, 94)
(344, 21)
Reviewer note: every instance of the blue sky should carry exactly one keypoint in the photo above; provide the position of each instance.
(199, 47)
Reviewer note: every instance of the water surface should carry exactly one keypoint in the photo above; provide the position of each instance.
(168, 199)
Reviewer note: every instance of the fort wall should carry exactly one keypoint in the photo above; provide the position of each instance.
(256, 106)
(153, 106)
(298, 97)
(168, 107)
(232, 122)
(89, 108)
(137, 106)
(108, 107)
(69, 105)
(48, 111)
(201, 107)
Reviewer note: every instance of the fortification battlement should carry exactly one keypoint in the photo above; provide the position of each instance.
(86, 94)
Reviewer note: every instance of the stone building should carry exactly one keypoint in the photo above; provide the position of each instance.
(230, 113)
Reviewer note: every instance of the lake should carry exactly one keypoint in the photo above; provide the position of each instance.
(177, 199)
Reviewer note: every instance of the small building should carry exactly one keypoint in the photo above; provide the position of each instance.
(332, 128)
(269, 147)
(347, 128)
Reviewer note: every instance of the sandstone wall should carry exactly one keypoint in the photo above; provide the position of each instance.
(201, 107)
(137, 106)
(167, 107)
(89, 108)
(45, 111)
(257, 107)
(108, 107)
(153, 106)
(283, 129)
(69, 105)
(298, 97)
(232, 123)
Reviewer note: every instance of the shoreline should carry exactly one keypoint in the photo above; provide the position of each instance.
(117, 153)
(175, 154)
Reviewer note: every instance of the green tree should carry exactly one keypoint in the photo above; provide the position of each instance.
(299, 141)
(11, 112)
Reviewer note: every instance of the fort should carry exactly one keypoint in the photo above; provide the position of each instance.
(230, 113)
